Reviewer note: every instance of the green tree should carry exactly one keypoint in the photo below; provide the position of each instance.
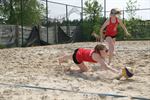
(132, 22)
(131, 8)
(93, 13)
(92, 9)
(32, 11)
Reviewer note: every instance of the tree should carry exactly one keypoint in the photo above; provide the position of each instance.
(132, 23)
(92, 9)
(93, 12)
(131, 8)
(32, 11)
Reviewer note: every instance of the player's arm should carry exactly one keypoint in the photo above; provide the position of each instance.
(103, 63)
(102, 29)
(123, 26)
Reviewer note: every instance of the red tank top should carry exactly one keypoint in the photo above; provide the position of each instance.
(84, 55)
(111, 29)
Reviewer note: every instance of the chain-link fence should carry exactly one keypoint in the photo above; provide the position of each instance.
(61, 24)
(57, 21)
(61, 15)
(137, 24)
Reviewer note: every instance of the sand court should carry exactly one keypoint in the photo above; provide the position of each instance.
(33, 73)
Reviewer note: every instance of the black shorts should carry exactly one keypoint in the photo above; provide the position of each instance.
(74, 56)
(109, 36)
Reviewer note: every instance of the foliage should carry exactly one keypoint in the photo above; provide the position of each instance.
(93, 14)
(120, 35)
(131, 6)
(138, 29)
(92, 9)
(32, 12)
(132, 27)
(89, 27)
(2, 46)
(71, 23)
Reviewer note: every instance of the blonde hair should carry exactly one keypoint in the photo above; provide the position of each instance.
(115, 11)
(99, 47)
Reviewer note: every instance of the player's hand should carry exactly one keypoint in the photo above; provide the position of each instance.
(128, 34)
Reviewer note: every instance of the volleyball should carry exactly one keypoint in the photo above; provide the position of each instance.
(127, 72)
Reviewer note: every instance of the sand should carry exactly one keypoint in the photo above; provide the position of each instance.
(33, 73)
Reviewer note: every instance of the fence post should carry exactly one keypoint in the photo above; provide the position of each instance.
(22, 20)
(104, 8)
(81, 10)
(56, 31)
(16, 35)
(123, 23)
(123, 17)
(67, 27)
(47, 19)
